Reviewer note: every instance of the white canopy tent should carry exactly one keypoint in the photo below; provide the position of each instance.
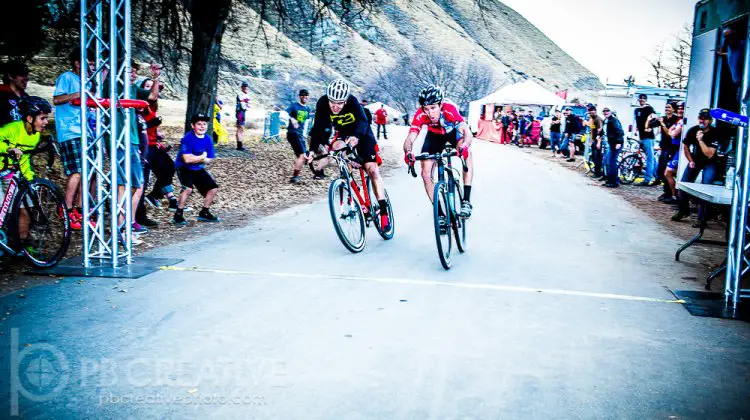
(523, 93)
(392, 112)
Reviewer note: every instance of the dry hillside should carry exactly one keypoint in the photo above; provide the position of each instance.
(278, 63)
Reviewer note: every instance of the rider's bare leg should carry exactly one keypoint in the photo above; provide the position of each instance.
(469, 174)
(377, 181)
(429, 184)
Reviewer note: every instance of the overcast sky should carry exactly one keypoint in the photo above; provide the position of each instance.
(609, 37)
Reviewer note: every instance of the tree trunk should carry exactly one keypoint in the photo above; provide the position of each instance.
(208, 19)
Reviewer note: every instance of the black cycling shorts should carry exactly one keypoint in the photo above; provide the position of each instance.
(435, 143)
(297, 142)
(200, 179)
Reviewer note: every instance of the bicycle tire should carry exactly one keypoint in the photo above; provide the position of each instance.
(376, 212)
(43, 217)
(459, 223)
(440, 198)
(339, 190)
(628, 168)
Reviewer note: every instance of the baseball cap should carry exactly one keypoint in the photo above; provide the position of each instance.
(567, 108)
(606, 109)
(704, 113)
(199, 117)
(245, 84)
(591, 107)
(304, 92)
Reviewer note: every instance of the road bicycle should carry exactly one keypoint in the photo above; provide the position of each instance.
(632, 164)
(354, 208)
(446, 204)
(42, 204)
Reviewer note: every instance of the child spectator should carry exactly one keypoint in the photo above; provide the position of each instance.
(196, 150)
(19, 136)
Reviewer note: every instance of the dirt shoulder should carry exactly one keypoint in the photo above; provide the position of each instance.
(645, 199)
(251, 185)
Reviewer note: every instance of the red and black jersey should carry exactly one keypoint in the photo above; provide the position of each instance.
(450, 119)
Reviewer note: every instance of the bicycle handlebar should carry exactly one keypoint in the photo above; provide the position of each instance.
(425, 156)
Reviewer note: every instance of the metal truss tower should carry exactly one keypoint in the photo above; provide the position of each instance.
(105, 38)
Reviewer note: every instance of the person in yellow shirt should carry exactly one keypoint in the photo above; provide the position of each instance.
(20, 136)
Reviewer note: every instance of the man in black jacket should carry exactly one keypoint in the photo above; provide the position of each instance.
(572, 127)
(367, 111)
(613, 133)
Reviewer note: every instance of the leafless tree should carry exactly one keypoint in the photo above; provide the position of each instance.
(670, 63)
(658, 67)
(460, 82)
(677, 73)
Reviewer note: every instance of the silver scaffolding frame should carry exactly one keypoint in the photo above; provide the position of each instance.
(738, 249)
(109, 39)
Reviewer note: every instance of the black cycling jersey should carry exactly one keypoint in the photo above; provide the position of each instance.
(351, 121)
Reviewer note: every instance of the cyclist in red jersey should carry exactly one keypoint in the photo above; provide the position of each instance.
(444, 126)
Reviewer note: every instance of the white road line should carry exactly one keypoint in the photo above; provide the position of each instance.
(393, 280)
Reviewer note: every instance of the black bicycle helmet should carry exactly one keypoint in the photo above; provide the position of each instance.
(430, 95)
(33, 106)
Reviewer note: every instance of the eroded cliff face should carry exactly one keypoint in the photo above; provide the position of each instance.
(276, 63)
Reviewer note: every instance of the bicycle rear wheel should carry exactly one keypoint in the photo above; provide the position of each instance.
(48, 223)
(630, 168)
(346, 215)
(376, 212)
(441, 214)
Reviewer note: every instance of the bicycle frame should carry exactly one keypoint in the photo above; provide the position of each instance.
(16, 184)
(443, 163)
(362, 194)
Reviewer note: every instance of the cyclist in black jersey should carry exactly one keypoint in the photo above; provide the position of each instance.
(342, 112)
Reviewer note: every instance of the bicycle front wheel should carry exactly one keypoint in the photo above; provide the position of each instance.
(346, 215)
(441, 213)
(630, 168)
(40, 211)
(459, 223)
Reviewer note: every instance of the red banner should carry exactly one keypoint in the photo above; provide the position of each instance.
(563, 94)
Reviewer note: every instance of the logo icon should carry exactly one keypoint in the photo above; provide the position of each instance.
(38, 372)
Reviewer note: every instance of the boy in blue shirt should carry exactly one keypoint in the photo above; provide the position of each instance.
(196, 150)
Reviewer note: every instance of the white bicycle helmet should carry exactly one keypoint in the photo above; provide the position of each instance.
(338, 90)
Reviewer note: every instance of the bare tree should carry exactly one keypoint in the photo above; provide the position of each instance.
(677, 73)
(670, 64)
(460, 82)
(478, 82)
(658, 66)
(207, 21)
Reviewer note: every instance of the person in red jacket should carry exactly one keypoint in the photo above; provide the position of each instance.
(381, 119)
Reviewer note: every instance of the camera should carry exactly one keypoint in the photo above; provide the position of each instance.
(654, 122)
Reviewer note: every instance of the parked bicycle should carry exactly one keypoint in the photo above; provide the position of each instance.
(40, 205)
(632, 163)
(354, 208)
(446, 204)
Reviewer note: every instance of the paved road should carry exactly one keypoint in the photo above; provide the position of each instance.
(542, 318)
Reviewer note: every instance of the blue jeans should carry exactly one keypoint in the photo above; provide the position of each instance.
(612, 154)
(710, 172)
(605, 156)
(554, 141)
(648, 149)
